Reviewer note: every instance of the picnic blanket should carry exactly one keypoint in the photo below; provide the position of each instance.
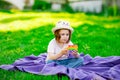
(97, 68)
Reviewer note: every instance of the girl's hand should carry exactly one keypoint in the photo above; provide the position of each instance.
(75, 53)
(64, 51)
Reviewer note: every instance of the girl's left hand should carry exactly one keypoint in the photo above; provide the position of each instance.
(75, 53)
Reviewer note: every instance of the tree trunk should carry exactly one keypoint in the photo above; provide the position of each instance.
(114, 7)
(105, 4)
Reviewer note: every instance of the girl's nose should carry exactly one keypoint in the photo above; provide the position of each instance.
(65, 36)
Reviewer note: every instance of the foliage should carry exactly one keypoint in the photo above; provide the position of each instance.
(4, 5)
(41, 5)
(67, 8)
(26, 33)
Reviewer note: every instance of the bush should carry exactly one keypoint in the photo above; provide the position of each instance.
(67, 8)
(41, 5)
(4, 5)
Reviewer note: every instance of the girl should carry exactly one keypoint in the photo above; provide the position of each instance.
(58, 47)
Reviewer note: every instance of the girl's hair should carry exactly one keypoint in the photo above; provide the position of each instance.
(57, 35)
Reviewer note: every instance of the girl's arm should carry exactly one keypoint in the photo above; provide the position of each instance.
(53, 56)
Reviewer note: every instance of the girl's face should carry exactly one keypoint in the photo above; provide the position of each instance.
(64, 36)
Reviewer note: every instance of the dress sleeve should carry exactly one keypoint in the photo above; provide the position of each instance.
(51, 47)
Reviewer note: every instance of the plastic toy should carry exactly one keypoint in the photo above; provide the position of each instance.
(73, 47)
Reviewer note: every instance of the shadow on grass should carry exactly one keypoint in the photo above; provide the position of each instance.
(11, 19)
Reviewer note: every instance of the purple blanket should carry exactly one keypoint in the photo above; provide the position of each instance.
(98, 68)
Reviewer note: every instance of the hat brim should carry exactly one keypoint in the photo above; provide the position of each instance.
(57, 28)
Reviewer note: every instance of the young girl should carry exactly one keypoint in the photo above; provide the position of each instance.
(58, 47)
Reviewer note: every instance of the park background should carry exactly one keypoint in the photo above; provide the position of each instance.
(25, 29)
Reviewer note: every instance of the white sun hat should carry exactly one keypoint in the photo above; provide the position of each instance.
(62, 25)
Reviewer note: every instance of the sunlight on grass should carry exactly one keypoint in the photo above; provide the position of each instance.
(31, 20)
(23, 25)
(112, 25)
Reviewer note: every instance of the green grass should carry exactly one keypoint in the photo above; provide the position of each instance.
(26, 33)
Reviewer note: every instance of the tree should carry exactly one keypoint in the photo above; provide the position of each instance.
(67, 7)
(114, 7)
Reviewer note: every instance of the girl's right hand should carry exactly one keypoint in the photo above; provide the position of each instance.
(64, 51)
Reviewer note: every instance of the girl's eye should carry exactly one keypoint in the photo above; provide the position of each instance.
(67, 34)
(62, 34)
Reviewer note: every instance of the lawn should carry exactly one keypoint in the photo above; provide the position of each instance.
(26, 33)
